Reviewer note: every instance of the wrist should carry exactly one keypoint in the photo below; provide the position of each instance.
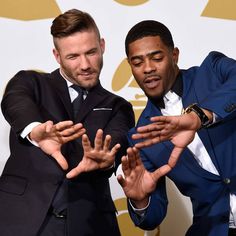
(140, 204)
(205, 117)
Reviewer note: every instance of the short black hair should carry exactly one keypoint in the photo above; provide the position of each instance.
(148, 28)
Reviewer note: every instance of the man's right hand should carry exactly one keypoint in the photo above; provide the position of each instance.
(138, 183)
(50, 137)
(180, 130)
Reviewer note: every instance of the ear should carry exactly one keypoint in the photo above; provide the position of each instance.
(176, 55)
(57, 55)
(102, 45)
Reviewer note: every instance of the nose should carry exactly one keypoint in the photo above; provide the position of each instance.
(148, 66)
(84, 62)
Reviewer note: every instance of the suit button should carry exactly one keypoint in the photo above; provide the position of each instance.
(227, 181)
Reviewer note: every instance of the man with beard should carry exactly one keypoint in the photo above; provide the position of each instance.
(48, 189)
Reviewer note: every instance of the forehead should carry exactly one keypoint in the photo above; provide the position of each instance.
(146, 45)
(79, 40)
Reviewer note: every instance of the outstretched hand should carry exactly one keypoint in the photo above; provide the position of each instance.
(98, 157)
(50, 137)
(137, 182)
(180, 130)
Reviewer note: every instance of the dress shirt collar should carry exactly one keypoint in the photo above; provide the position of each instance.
(73, 93)
(65, 77)
(177, 88)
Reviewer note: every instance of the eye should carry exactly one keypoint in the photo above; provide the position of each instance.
(72, 57)
(92, 52)
(137, 62)
(157, 59)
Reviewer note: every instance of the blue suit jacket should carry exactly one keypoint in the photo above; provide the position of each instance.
(213, 86)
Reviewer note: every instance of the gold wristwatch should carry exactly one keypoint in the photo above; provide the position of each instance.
(200, 113)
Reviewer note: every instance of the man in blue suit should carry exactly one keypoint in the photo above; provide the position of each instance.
(186, 132)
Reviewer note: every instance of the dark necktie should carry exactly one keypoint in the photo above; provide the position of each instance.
(60, 201)
(78, 100)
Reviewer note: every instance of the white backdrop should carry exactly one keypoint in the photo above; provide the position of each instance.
(198, 26)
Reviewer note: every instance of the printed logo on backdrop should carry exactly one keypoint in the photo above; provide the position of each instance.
(29, 10)
(123, 82)
(131, 2)
(220, 9)
(44, 9)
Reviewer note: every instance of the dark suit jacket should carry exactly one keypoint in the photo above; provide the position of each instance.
(30, 177)
(212, 86)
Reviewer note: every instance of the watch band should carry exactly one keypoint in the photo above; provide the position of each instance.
(200, 113)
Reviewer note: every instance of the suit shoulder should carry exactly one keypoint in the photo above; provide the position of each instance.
(114, 96)
(27, 77)
(213, 57)
(30, 74)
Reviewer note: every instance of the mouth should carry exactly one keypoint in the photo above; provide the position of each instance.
(152, 82)
(86, 75)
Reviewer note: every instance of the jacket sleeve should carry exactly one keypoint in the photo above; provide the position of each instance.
(18, 103)
(218, 84)
(157, 209)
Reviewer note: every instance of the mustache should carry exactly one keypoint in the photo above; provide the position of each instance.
(152, 76)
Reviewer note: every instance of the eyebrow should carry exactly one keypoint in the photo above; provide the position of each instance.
(150, 54)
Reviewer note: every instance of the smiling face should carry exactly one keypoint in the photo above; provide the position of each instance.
(154, 65)
(80, 56)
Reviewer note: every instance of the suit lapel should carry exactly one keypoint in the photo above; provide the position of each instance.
(60, 86)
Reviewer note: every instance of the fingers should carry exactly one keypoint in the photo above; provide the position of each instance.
(60, 126)
(67, 128)
(159, 119)
(121, 181)
(148, 142)
(48, 126)
(129, 161)
(132, 156)
(125, 165)
(98, 142)
(151, 127)
(107, 143)
(114, 150)
(86, 143)
(66, 131)
(148, 134)
(60, 160)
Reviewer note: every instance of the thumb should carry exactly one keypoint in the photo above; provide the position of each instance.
(74, 172)
(60, 160)
(174, 156)
(163, 170)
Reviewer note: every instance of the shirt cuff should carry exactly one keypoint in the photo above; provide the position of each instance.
(140, 211)
(26, 131)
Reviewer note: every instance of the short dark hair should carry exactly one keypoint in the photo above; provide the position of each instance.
(148, 28)
(72, 21)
